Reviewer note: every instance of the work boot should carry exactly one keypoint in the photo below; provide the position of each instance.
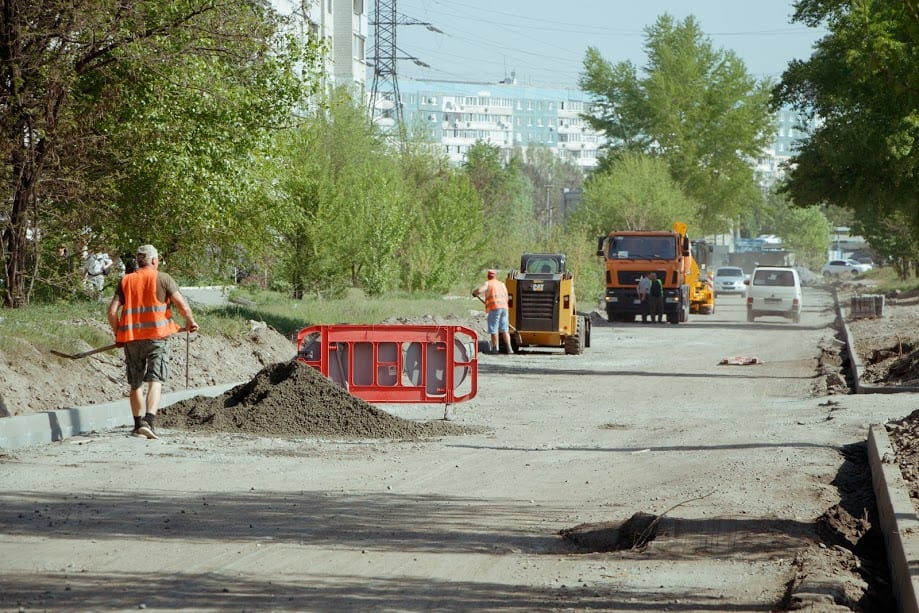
(146, 429)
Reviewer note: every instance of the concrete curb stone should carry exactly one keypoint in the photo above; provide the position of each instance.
(55, 426)
(899, 522)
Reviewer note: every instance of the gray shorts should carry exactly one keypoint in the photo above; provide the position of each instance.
(146, 360)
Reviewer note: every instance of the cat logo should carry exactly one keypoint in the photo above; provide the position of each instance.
(537, 287)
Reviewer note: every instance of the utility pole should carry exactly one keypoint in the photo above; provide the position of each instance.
(385, 99)
(385, 88)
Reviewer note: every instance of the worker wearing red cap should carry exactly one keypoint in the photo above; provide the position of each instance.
(495, 298)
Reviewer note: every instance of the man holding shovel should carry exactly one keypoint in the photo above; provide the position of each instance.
(141, 317)
(495, 300)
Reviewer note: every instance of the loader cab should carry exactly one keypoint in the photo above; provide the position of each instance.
(539, 264)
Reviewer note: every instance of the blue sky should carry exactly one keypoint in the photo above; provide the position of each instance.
(543, 41)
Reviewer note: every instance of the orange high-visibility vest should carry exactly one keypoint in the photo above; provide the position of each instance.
(495, 295)
(143, 316)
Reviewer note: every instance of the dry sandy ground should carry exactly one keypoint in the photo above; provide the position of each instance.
(639, 476)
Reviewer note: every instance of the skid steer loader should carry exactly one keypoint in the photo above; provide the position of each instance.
(542, 309)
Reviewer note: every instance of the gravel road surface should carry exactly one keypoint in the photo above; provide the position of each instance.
(734, 463)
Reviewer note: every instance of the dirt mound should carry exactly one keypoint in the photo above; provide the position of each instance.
(892, 365)
(293, 399)
(904, 438)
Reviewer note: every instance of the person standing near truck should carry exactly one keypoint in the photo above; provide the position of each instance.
(495, 294)
(656, 298)
(644, 286)
(141, 318)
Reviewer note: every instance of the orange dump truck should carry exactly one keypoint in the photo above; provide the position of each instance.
(630, 254)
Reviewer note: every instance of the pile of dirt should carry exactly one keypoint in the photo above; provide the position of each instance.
(897, 365)
(904, 438)
(32, 380)
(888, 345)
(293, 399)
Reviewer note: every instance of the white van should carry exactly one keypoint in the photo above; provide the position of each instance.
(774, 291)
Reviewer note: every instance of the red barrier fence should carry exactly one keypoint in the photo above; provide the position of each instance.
(395, 363)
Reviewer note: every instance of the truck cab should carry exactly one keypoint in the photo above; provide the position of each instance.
(630, 254)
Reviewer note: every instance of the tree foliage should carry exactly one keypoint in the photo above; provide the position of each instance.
(447, 224)
(130, 121)
(862, 84)
(804, 230)
(337, 201)
(695, 107)
(507, 198)
(636, 192)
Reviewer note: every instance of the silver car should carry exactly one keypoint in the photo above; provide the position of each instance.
(729, 280)
(844, 267)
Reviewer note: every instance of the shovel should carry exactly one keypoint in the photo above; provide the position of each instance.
(77, 356)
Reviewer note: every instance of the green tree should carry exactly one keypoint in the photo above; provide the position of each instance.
(336, 199)
(895, 239)
(862, 84)
(446, 220)
(804, 230)
(636, 192)
(507, 199)
(550, 177)
(123, 120)
(695, 107)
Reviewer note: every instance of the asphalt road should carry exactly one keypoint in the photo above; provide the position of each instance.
(738, 461)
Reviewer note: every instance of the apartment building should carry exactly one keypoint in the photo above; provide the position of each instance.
(790, 128)
(456, 115)
(343, 25)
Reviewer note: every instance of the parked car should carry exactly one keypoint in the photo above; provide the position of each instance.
(844, 267)
(774, 291)
(729, 280)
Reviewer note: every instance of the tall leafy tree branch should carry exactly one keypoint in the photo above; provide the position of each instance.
(862, 86)
(98, 99)
(691, 105)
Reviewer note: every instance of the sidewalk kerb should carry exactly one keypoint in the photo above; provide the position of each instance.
(898, 519)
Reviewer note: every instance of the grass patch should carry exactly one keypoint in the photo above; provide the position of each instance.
(70, 327)
(888, 281)
(288, 316)
(61, 326)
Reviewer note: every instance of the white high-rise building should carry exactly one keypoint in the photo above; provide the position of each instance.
(342, 26)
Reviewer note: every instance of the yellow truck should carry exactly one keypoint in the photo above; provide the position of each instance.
(699, 279)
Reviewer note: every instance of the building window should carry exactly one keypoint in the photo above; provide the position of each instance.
(357, 47)
(358, 7)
